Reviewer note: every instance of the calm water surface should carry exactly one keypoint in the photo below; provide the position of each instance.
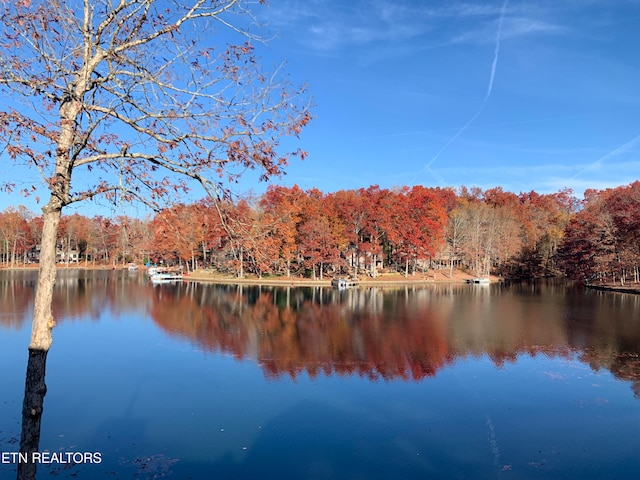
(449, 382)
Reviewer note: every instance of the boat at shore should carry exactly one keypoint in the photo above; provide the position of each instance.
(341, 283)
(479, 281)
(160, 275)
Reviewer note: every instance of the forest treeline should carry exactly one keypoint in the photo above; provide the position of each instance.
(289, 231)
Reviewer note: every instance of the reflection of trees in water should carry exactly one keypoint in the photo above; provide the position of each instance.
(78, 295)
(290, 331)
(16, 298)
(623, 365)
(406, 333)
(605, 329)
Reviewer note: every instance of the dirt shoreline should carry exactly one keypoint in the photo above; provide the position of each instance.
(380, 281)
(383, 280)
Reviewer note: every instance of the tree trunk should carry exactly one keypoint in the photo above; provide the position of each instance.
(374, 260)
(43, 321)
(32, 406)
(204, 253)
(13, 253)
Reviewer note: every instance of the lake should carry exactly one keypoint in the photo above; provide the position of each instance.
(198, 381)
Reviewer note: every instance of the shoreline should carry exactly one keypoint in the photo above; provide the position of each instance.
(618, 289)
(384, 280)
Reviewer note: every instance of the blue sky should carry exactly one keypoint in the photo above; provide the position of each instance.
(526, 95)
(520, 94)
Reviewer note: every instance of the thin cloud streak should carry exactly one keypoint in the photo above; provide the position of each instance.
(496, 52)
(543, 178)
(386, 22)
(494, 64)
(624, 148)
(534, 169)
(531, 121)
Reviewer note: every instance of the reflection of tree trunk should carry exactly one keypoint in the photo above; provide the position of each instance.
(34, 392)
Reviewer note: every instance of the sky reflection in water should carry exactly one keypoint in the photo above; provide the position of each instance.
(223, 382)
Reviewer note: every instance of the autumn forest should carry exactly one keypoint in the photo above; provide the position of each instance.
(409, 230)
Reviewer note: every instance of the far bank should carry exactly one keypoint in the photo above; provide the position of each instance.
(382, 280)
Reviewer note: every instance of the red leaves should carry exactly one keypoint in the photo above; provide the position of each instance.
(297, 126)
(238, 51)
(602, 241)
(146, 77)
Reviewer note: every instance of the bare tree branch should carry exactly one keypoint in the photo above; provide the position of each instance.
(137, 99)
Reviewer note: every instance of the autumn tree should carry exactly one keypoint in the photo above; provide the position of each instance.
(132, 100)
(455, 237)
(93, 249)
(601, 242)
(73, 233)
(138, 236)
(623, 203)
(589, 246)
(337, 230)
(214, 228)
(177, 233)
(350, 208)
(426, 221)
(104, 238)
(317, 243)
(285, 207)
(376, 202)
(15, 234)
(251, 243)
(544, 218)
(475, 218)
(256, 239)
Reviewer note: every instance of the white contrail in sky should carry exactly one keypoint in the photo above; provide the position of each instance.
(624, 148)
(492, 77)
(496, 51)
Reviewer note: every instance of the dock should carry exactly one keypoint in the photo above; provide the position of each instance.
(341, 282)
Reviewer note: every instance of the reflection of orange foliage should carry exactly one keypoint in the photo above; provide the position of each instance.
(214, 329)
(331, 339)
(406, 340)
(312, 338)
(397, 334)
